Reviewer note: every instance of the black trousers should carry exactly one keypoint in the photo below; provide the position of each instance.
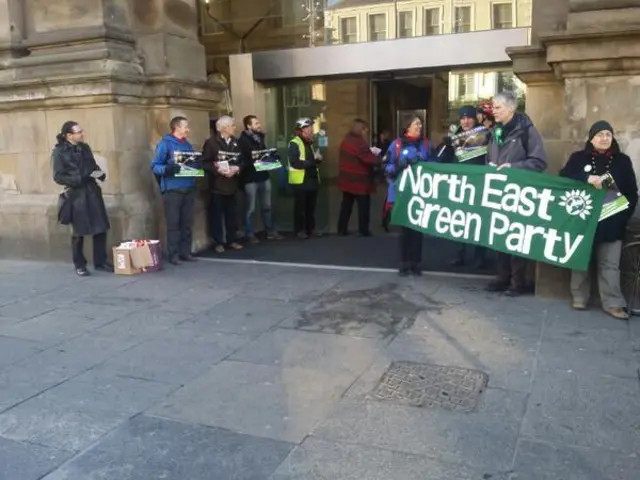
(99, 250)
(224, 212)
(410, 248)
(512, 270)
(304, 210)
(179, 210)
(479, 253)
(364, 211)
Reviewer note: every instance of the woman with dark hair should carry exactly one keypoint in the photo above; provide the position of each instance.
(603, 165)
(75, 168)
(412, 147)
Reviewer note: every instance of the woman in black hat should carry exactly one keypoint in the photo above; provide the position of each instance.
(603, 165)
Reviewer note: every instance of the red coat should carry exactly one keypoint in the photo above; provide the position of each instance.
(356, 164)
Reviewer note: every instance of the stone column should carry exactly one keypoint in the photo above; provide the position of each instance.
(122, 69)
(577, 75)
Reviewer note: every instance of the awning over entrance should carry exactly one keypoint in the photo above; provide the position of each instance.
(418, 53)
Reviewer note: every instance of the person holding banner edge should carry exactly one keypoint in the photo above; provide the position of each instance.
(603, 165)
(447, 154)
(412, 147)
(515, 143)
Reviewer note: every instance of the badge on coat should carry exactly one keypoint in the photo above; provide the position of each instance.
(588, 168)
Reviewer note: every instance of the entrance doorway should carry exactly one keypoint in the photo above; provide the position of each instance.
(395, 101)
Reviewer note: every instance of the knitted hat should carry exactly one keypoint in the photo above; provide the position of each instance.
(467, 111)
(599, 126)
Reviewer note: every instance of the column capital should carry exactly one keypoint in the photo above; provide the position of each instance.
(530, 65)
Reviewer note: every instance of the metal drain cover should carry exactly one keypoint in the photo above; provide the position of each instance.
(422, 385)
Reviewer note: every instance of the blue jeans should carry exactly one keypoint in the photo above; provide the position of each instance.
(257, 192)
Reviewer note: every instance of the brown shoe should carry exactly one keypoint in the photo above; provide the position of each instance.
(274, 236)
(579, 306)
(253, 241)
(618, 313)
(236, 246)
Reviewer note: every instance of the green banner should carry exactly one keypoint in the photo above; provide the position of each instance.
(534, 215)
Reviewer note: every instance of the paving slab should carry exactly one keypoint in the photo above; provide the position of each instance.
(73, 415)
(484, 439)
(299, 285)
(317, 459)
(143, 323)
(592, 411)
(543, 461)
(16, 349)
(172, 357)
(153, 448)
(315, 351)
(26, 461)
(274, 402)
(242, 315)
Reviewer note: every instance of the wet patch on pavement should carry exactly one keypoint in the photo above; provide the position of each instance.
(378, 312)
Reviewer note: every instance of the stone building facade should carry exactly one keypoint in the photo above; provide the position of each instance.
(122, 68)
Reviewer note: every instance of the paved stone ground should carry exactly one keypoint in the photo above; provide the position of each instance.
(216, 371)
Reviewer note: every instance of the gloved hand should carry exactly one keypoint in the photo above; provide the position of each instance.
(447, 141)
(171, 169)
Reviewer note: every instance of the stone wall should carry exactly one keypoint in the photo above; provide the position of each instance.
(122, 69)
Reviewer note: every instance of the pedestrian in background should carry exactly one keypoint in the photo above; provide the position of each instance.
(75, 168)
(356, 177)
(221, 160)
(304, 178)
(255, 185)
(178, 193)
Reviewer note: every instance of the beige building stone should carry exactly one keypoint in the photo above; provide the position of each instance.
(120, 68)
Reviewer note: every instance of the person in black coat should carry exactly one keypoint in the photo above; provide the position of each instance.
(600, 160)
(75, 168)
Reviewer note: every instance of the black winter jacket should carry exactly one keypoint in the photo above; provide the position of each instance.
(613, 228)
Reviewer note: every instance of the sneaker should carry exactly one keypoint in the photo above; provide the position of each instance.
(253, 241)
(274, 236)
(579, 305)
(302, 236)
(83, 272)
(236, 246)
(105, 267)
(218, 249)
(617, 313)
(316, 233)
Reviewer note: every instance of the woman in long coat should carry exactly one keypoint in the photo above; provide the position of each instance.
(603, 165)
(75, 168)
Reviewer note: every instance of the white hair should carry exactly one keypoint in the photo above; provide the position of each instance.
(224, 122)
(507, 99)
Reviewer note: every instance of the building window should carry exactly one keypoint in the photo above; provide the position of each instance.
(432, 21)
(462, 19)
(502, 16)
(377, 27)
(218, 9)
(506, 82)
(297, 96)
(349, 30)
(405, 24)
(466, 85)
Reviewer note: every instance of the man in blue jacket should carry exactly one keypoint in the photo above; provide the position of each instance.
(178, 193)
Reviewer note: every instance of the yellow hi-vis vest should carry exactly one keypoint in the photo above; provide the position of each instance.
(296, 175)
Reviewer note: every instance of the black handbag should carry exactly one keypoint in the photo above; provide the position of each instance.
(64, 209)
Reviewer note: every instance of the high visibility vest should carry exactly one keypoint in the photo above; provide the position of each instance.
(296, 175)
